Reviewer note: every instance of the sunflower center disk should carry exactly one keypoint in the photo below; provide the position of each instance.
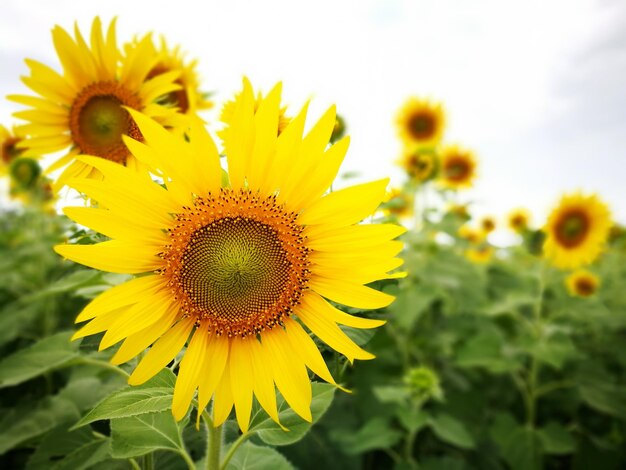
(421, 126)
(584, 287)
(98, 121)
(238, 262)
(572, 229)
(456, 170)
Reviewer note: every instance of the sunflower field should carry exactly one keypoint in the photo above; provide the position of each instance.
(177, 298)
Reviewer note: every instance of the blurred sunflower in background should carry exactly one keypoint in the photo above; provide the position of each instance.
(242, 269)
(421, 122)
(8, 147)
(471, 234)
(518, 220)
(480, 254)
(83, 108)
(576, 231)
(457, 168)
(582, 283)
(189, 99)
(420, 165)
(399, 203)
(487, 224)
(227, 115)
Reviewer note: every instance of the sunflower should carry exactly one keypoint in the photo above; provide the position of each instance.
(470, 234)
(421, 122)
(228, 115)
(479, 254)
(83, 108)
(582, 283)
(188, 99)
(243, 269)
(398, 203)
(8, 148)
(457, 167)
(576, 231)
(518, 220)
(420, 165)
(487, 224)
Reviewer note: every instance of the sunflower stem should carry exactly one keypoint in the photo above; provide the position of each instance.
(233, 448)
(105, 365)
(214, 443)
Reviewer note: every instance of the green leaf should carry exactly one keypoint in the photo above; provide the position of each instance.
(522, 450)
(487, 349)
(43, 356)
(398, 394)
(411, 419)
(273, 435)
(253, 457)
(85, 456)
(153, 396)
(555, 351)
(139, 435)
(556, 439)
(375, 434)
(605, 397)
(452, 431)
(23, 423)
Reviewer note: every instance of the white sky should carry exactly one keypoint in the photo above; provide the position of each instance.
(535, 87)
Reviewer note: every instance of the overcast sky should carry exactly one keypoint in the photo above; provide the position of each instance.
(537, 88)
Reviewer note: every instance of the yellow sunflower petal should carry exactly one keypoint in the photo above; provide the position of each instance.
(351, 294)
(223, 400)
(346, 206)
(327, 330)
(189, 373)
(162, 352)
(242, 379)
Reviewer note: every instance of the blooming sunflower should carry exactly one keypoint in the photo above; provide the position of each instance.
(398, 203)
(243, 269)
(582, 283)
(228, 115)
(457, 167)
(576, 231)
(418, 164)
(518, 220)
(188, 99)
(479, 254)
(83, 108)
(487, 224)
(421, 122)
(471, 234)
(8, 147)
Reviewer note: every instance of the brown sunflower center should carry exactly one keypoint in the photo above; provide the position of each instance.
(98, 121)
(585, 287)
(488, 225)
(572, 228)
(422, 126)
(457, 169)
(237, 261)
(518, 221)
(176, 98)
(9, 149)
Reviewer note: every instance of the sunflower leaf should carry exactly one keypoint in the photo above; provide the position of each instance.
(139, 435)
(43, 356)
(272, 434)
(153, 396)
(253, 457)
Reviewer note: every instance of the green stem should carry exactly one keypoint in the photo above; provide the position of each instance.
(134, 464)
(552, 386)
(214, 443)
(148, 463)
(105, 365)
(233, 448)
(533, 375)
(190, 465)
